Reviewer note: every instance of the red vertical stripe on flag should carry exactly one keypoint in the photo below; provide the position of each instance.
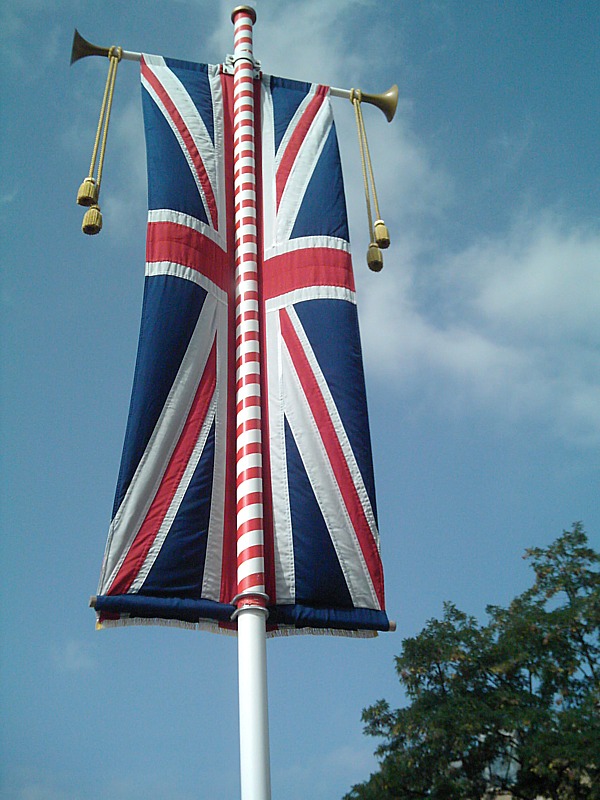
(229, 552)
(268, 533)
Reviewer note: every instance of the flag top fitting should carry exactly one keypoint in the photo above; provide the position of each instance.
(247, 10)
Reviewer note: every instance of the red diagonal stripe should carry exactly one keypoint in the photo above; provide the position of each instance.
(188, 140)
(247, 474)
(296, 139)
(251, 424)
(171, 479)
(333, 447)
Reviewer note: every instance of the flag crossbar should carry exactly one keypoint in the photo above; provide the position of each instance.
(385, 101)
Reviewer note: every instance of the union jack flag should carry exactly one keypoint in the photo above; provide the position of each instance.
(171, 551)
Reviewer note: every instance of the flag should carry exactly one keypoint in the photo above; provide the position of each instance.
(171, 552)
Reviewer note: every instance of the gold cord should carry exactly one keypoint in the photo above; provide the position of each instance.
(101, 120)
(355, 97)
(89, 190)
(378, 234)
(370, 166)
(115, 56)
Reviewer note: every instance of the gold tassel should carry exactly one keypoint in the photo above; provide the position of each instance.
(382, 236)
(92, 221)
(378, 232)
(89, 191)
(374, 258)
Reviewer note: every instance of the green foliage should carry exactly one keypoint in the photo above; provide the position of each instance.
(512, 705)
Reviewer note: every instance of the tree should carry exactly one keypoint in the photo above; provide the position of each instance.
(511, 705)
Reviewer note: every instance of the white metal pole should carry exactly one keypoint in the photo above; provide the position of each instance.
(255, 768)
(251, 599)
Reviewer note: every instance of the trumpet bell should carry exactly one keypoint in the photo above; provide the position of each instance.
(82, 48)
(386, 101)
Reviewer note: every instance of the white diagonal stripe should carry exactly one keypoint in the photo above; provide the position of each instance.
(285, 569)
(302, 170)
(213, 562)
(176, 501)
(253, 511)
(325, 487)
(179, 218)
(195, 124)
(149, 473)
(249, 539)
(154, 268)
(337, 424)
(293, 123)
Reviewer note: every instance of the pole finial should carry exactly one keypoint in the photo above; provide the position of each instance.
(247, 9)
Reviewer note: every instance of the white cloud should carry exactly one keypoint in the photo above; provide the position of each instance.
(509, 322)
(305, 42)
(542, 279)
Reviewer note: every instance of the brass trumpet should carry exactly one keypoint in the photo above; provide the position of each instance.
(82, 48)
(385, 101)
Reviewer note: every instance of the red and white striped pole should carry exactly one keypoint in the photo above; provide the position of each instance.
(251, 599)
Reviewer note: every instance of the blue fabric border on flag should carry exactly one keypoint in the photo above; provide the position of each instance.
(192, 611)
(351, 619)
(176, 608)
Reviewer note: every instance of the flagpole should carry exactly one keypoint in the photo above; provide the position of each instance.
(251, 599)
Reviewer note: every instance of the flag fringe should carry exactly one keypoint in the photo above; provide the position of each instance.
(211, 627)
(214, 627)
(292, 631)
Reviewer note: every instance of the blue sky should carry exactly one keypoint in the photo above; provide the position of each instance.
(481, 342)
